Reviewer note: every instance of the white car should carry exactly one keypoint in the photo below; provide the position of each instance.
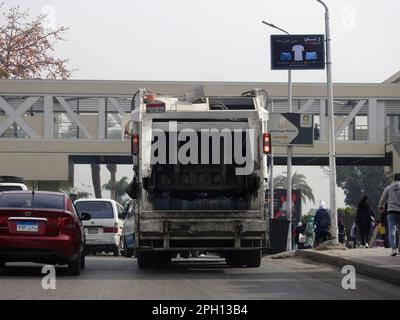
(11, 186)
(103, 231)
(12, 183)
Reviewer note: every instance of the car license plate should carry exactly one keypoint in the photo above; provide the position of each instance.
(28, 226)
(92, 230)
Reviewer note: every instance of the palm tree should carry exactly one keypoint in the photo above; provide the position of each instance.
(298, 182)
(112, 168)
(95, 168)
(119, 187)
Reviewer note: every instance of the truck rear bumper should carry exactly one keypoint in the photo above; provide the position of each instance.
(201, 234)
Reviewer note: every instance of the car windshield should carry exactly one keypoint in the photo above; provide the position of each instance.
(96, 209)
(30, 200)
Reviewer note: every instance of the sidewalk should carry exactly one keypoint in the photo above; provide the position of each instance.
(375, 263)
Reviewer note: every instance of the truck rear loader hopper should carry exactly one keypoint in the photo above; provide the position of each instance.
(200, 174)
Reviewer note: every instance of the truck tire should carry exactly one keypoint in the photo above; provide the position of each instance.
(253, 258)
(235, 259)
(163, 260)
(83, 261)
(74, 267)
(145, 260)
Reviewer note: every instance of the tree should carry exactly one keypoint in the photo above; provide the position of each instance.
(112, 167)
(298, 182)
(357, 181)
(119, 187)
(27, 47)
(95, 169)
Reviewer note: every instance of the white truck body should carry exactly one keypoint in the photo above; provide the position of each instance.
(199, 177)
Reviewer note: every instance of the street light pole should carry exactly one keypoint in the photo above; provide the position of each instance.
(332, 147)
(289, 156)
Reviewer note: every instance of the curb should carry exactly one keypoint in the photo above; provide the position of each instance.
(381, 273)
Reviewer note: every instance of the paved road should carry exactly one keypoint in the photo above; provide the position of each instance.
(107, 277)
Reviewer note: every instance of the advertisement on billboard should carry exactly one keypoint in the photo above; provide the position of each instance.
(298, 52)
(291, 129)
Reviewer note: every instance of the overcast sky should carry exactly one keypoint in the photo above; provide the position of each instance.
(220, 40)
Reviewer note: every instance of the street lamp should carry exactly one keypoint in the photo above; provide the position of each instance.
(289, 158)
(332, 147)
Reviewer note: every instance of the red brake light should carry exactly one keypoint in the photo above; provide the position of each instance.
(135, 144)
(266, 143)
(110, 230)
(68, 226)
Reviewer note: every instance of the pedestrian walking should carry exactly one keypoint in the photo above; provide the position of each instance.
(384, 230)
(309, 233)
(341, 230)
(353, 235)
(364, 218)
(391, 197)
(299, 236)
(322, 222)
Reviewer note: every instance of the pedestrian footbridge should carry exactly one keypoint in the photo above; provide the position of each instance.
(47, 126)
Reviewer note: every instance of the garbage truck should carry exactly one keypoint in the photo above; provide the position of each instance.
(199, 176)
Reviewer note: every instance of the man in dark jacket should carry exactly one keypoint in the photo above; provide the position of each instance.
(322, 222)
(391, 196)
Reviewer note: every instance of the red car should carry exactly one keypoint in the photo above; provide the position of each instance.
(41, 227)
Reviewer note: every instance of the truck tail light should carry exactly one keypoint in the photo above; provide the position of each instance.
(135, 144)
(266, 143)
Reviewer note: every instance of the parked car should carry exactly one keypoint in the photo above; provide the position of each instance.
(41, 227)
(128, 236)
(103, 231)
(10, 183)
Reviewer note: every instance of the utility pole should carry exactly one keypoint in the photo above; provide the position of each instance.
(331, 125)
(289, 155)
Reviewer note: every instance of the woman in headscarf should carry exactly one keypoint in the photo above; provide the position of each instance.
(364, 218)
(322, 223)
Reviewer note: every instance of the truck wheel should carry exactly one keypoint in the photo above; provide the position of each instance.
(145, 260)
(235, 259)
(83, 261)
(74, 267)
(163, 260)
(253, 258)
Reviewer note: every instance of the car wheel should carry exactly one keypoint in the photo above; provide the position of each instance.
(83, 261)
(74, 267)
(116, 252)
